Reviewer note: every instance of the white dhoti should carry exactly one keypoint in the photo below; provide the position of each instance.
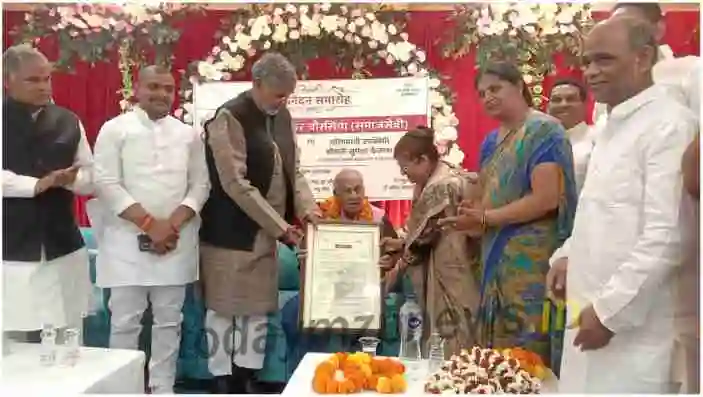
(127, 305)
(240, 340)
(55, 292)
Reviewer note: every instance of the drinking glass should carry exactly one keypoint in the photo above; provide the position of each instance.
(369, 344)
(71, 348)
(48, 345)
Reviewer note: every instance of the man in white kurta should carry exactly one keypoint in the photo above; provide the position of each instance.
(48, 290)
(567, 102)
(625, 246)
(152, 180)
(680, 76)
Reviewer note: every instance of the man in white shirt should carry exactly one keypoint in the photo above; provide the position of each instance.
(152, 180)
(567, 102)
(625, 245)
(680, 76)
(46, 159)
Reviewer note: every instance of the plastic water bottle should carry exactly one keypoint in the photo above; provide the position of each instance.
(410, 336)
(48, 345)
(435, 352)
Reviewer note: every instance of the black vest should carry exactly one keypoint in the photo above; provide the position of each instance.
(35, 148)
(224, 223)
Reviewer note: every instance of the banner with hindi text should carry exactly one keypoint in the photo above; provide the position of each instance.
(343, 124)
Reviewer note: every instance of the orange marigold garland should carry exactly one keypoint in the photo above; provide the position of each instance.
(331, 209)
(345, 373)
(530, 361)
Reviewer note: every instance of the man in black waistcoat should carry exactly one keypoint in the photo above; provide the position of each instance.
(257, 193)
(46, 158)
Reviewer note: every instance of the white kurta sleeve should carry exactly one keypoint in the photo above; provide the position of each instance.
(619, 304)
(84, 159)
(107, 169)
(561, 252)
(692, 86)
(18, 186)
(198, 178)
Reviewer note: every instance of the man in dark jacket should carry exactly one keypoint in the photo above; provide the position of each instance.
(46, 159)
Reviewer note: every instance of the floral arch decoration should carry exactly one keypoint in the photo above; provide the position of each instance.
(355, 35)
(528, 34)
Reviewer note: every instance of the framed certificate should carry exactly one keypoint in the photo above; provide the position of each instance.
(341, 289)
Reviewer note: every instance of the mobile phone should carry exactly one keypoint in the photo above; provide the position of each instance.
(145, 243)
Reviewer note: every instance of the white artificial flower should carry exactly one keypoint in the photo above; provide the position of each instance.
(280, 35)
(434, 83)
(309, 27)
(402, 51)
(343, 10)
(267, 45)
(565, 16)
(366, 31)
(294, 34)
(357, 40)
(373, 44)
(243, 41)
(278, 11)
(404, 36)
(209, 71)
(378, 32)
(370, 16)
(339, 34)
(412, 68)
(303, 9)
(359, 21)
(448, 133)
(389, 59)
(422, 72)
(351, 27)
(329, 23)
(455, 156)
(226, 39)
(292, 23)
(549, 28)
(325, 7)
(392, 30)
(436, 98)
(420, 55)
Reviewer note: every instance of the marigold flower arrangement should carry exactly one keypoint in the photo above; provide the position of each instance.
(345, 373)
(530, 361)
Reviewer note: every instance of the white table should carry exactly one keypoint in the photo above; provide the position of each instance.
(300, 384)
(97, 371)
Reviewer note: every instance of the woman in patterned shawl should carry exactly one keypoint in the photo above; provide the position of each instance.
(526, 213)
(441, 264)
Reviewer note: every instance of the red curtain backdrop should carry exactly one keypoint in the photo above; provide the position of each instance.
(92, 91)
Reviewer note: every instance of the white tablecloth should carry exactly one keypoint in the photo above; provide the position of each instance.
(300, 384)
(97, 371)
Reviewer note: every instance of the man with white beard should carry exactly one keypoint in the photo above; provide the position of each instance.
(625, 245)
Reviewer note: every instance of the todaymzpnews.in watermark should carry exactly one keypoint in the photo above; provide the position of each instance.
(258, 340)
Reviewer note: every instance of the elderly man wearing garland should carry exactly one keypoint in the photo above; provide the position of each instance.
(348, 203)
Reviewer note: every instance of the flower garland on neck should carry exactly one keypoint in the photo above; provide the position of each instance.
(331, 209)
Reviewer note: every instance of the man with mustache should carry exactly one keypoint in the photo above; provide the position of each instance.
(567, 102)
(616, 270)
(46, 159)
(152, 181)
(257, 195)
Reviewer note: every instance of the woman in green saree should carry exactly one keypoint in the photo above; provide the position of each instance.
(440, 263)
(526, 212)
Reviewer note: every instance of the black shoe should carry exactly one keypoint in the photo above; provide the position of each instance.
(242, 380)
(221, 385)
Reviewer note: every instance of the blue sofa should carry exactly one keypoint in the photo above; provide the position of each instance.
(281, 359)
